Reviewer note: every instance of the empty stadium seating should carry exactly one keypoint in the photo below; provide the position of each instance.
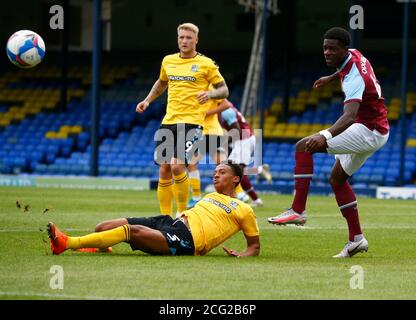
(36, 138)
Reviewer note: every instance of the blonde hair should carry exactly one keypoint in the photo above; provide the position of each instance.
(189, 26)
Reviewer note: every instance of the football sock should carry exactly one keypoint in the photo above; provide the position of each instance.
(195, 183)
(303, 175)
(102, 239)
(181, 191)
(165, 196)
(358, 237)
(347, 203)
(248, 187)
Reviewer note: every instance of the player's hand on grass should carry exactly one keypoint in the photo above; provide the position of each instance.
(203, 97)
(231, 252)
(315, 143)
(142, 106)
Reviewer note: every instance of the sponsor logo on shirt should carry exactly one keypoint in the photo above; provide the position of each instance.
(363, 67)
(218, 204)
(182, 78)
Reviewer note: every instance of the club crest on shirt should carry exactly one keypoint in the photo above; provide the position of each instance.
(194, 68)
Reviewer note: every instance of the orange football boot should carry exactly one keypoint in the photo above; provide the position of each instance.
(106, 250)
(57, 238)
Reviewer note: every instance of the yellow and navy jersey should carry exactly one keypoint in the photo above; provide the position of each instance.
(216, 218)
(211, 125)
(186, 78)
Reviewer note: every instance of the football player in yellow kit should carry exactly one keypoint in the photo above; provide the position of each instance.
(214, 219)
(187, 75)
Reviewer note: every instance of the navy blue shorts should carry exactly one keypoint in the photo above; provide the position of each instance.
(176, 233)
(180, 141)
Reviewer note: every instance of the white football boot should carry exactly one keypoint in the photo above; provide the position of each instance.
(257, 203)
(352, 248)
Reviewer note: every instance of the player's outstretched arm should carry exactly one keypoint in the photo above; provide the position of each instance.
(253, 248)
(323, 81)
(158, 88)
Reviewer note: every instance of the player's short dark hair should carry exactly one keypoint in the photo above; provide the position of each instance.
(340, 34)
(236, 168)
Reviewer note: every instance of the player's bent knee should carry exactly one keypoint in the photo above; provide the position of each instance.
(164, 169)
(100, 227)
(177, 169)
(300, 145)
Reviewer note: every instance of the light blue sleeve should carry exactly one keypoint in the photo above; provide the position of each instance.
(229, 116)
(353, 85)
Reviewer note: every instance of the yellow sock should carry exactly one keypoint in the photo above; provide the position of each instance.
(165, 196)
(100, 239)
(181, 187)
(239, 189)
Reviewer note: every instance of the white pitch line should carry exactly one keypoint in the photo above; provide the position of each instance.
(64, 296)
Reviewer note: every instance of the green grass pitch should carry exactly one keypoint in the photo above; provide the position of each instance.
(295, 263)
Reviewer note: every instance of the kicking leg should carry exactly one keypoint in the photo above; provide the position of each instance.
(303, 175)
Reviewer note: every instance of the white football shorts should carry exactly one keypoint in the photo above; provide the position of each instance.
(355, 145)
(242, 150)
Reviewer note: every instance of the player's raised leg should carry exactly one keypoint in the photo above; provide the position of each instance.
(303, 174)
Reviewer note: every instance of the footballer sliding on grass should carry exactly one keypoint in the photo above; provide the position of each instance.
(214, 219)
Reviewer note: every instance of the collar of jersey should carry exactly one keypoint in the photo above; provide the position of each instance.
(188, 58)
(346, 61)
